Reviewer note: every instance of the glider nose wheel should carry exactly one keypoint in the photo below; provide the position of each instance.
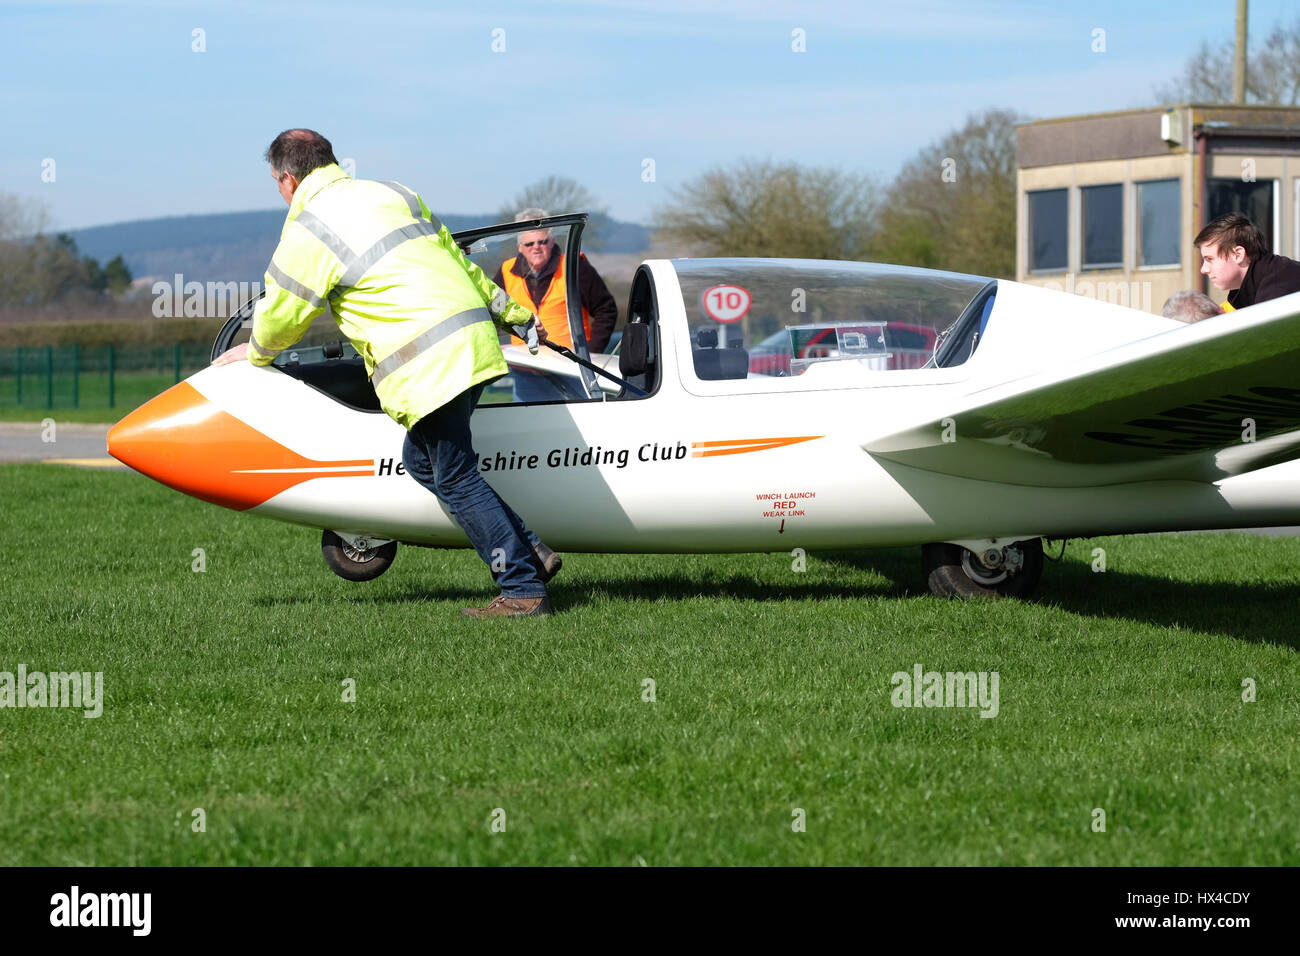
(954, 571)
(356, 558)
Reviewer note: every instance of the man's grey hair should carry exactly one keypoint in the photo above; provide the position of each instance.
(298, 152)
(1189, 306)
(532, 212)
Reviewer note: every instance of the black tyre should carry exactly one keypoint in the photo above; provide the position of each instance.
(953, 571)
(354, 564)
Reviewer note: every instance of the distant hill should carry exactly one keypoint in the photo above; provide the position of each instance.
(236, 246)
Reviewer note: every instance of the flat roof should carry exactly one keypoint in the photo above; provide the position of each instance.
(1210, 108)
(1136, 133)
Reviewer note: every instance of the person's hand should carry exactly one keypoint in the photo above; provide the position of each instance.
(542, 335)
(238, 354)
(531, 334)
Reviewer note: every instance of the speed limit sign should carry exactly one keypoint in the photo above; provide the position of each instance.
(726, 303)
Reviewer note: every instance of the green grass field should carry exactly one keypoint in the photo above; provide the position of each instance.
(223, 691)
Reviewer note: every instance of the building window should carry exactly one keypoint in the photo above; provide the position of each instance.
(1103, 226)
(1048, 232)
(1252, 200)
(1160, 222)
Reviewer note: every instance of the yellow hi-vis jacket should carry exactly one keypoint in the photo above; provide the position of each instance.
(421, 314)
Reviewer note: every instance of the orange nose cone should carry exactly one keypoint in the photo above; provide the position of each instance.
(157, 439)
(186, 442)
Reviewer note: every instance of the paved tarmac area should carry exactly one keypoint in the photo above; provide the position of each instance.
(74, 443)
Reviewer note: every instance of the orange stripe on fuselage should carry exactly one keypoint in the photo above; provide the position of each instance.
(186, 442)
(739, 446)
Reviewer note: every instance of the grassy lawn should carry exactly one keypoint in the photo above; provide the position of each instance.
(223, 691)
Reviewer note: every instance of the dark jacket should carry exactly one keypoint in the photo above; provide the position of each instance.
(1269, 277)
(595, 295)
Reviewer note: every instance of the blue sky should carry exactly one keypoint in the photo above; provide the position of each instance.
(140, 125)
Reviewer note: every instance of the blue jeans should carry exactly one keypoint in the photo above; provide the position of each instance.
(438, 453)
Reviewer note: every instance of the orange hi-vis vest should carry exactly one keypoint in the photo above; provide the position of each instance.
(552, 310)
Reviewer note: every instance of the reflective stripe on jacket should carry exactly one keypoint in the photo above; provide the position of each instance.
(552, 310)
(417, 310)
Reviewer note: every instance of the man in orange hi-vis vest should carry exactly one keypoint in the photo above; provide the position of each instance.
(535, 279)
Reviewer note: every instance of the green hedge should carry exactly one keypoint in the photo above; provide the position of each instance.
(97, 333)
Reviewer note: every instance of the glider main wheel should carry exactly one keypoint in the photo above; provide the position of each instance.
(356, 564)
(1013, 571)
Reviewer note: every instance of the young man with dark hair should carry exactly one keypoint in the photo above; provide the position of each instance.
(1234, 254)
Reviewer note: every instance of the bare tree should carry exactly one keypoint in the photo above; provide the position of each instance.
(559, 195)
(556, 194)
(1272, 72)
(759, 208)
(953, 205)
(21, 217)
(37, 270)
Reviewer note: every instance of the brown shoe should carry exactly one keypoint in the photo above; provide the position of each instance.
(503, 606)
(550, 561)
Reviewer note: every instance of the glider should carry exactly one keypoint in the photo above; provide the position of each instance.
(763, 405)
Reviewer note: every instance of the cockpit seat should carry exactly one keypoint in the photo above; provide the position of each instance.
(344, 380)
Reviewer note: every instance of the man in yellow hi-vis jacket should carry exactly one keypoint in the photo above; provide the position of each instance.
(423, 317)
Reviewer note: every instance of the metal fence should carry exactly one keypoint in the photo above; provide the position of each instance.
(72, 376)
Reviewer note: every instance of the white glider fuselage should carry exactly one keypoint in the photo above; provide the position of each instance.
(842, 456)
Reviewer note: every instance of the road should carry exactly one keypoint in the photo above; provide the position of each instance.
(73, 443)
